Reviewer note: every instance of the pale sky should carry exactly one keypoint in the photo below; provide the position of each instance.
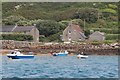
(60, 0)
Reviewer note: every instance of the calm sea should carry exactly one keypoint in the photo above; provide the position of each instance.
(61, 67)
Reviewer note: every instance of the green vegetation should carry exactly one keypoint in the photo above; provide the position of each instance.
(96, 42)
(51, 18)
(49, 27)
(109, 41)
(101, 42)
(18, 37)
(112, 36)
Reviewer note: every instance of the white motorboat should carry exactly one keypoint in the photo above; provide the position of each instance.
(15, 54)
(65, 53)
(81, 55)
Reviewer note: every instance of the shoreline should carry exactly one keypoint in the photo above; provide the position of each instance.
(46, 53)
(75, 48)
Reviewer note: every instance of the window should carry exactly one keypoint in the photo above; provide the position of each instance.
(69, 38)
(12, 52)
(66, 35)
(69, 32)
(80, 39)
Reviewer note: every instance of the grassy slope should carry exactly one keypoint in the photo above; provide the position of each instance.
(49, 11)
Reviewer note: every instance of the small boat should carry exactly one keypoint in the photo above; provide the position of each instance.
(65, 53)
(15, 54)
(81, 55)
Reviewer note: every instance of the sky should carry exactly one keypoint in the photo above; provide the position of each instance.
(60, 0)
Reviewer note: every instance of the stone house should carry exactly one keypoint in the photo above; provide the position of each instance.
(28, 30)
(73, 33)
(97, 36)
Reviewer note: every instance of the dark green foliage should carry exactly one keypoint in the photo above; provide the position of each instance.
(18, 37)
(55, 37)
(87, 33)
(89, 14)
(65, 15)
(43, 39)
(49, 27)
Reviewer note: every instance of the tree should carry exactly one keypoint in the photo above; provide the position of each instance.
(90, 15)
(49, 27)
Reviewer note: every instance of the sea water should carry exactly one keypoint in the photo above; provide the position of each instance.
(61, 67)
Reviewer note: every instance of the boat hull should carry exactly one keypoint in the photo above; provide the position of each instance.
(21, 57)
(82, 56)
(59, 54)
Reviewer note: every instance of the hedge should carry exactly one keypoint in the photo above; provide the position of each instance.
(17, 37)
(112, 36)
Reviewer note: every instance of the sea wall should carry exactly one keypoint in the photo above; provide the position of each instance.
(11, 44)
(44, 48)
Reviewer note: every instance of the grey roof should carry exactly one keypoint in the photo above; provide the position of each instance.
(23, 28)
(97, 33)
(13, 28)
(7, 28)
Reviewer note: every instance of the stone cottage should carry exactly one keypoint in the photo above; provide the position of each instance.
(97, 36)
(28, 30)
(73, 33)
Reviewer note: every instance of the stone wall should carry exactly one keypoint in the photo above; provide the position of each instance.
(44, 48)
(11, 44)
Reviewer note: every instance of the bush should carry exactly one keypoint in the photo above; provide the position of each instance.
(17, 37)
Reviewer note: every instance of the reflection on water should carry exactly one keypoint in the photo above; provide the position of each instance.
(65, 67)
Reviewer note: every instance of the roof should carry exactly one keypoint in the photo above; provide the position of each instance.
(23, 28)
(13, 28)
(76, 27)
(98, 32)
(7, 28)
